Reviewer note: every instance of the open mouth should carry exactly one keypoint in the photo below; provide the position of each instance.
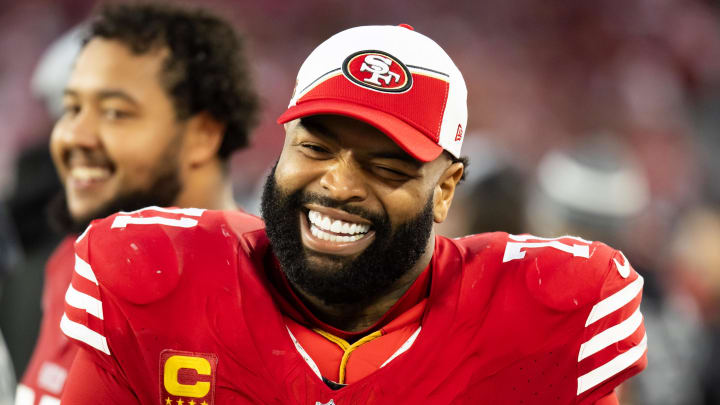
(325, 228)
(332, 231)
(86, 168)
(83, 176)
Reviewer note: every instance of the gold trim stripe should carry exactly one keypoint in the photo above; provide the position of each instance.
(347, 347)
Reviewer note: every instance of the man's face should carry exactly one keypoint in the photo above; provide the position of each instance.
(347, 211)
(117, 144)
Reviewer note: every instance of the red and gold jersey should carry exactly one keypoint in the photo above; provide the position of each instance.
(175, 306)
(45, 376)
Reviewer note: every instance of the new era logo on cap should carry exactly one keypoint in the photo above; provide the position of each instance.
(391, 77)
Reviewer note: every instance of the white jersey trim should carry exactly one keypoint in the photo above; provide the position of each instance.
(310, 362)
(612, 367)
(611, 335)
(121, 221)
(49, 400)
(79, 300)
(84, 270)
(84, 334)
(24, 395)
(193, 212)
(405, 346)
(615, 301)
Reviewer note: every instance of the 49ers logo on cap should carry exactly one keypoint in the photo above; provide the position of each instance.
(377, 70)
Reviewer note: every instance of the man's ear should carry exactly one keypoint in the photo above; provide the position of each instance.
(445, 190)
(204, 135)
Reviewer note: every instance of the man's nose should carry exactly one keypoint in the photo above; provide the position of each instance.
(345, 181)
(81, 130)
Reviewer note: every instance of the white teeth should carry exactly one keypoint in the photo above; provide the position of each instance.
(90, 173)
(336, 226)
(322, 223)
(320, 234)
(325, 223)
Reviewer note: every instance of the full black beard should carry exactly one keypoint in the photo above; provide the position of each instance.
(162, 192)
(345, 280)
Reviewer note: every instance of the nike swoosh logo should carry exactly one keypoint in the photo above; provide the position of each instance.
(624, 269)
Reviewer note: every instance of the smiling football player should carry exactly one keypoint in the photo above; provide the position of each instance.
(347, 295)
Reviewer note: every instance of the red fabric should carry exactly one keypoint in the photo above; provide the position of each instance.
(366, 358)
(491, 331)
(53, 354)
(90, 383)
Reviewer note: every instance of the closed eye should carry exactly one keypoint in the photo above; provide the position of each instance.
(391, 174)
(313, 150)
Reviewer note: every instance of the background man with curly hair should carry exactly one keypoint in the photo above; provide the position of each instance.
(158, 99)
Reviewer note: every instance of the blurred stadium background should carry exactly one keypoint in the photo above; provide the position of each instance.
(592, 118)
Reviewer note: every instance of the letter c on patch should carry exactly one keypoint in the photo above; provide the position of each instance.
(170, 376)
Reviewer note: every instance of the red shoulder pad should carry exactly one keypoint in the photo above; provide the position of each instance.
(241, 222)
(563, 273)
(133, 253)
(139, 255)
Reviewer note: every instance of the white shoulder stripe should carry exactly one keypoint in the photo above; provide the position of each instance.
(615, 301)
(405, 346)
(84, 334)
(49, 400)
(612, 367)
(79, 300)
(310, 362)
(24, 395)
(83, 269)
(121, 221)
(611, 335)
(193, 212)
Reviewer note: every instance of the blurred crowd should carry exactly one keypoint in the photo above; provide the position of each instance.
(597, 119)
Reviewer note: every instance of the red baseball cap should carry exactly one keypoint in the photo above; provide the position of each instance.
(391, 77)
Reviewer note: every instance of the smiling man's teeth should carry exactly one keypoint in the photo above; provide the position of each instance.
(332, 237)
(90, 173)
(321, 226)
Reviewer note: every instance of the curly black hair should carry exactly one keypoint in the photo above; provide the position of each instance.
(206, 70)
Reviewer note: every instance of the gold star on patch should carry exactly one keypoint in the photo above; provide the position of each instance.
(191, 402)
(180, 401)
(168, 401)
(203, 403)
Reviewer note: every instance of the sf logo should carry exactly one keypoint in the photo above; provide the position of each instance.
(379, 68)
